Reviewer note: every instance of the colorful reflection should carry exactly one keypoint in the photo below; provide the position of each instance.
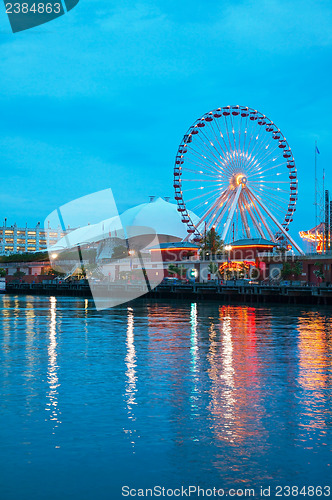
(233, 360)
(315, 365)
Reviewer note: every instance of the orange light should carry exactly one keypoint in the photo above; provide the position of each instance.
(171, 248)
(253, 246)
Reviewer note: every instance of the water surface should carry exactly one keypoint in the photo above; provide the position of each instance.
(161, 393)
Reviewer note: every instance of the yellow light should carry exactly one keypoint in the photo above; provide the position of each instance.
(54, 255)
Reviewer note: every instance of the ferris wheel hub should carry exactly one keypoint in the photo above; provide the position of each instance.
(238, 179)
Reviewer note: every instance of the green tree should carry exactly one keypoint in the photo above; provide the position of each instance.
(2, 272)
(119, 252)
(212, 242)
(213, 268)
(177, 270)
(291, 270)
(25, 257)
(319, 273)
(19, 274)
(55, 272)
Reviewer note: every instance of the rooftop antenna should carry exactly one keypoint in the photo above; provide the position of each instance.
(151, 199)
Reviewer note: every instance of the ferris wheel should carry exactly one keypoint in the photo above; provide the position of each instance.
(236, 171)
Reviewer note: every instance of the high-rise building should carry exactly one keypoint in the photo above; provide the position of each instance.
(15, 239)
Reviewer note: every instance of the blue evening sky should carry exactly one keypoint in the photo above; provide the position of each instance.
(102, 96)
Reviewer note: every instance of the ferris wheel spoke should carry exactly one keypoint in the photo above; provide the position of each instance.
(280, 227)
(199, 136)
(277, 200)
(259, 172)
(227, 133)
(266, 185)
(262, 218)
(223, 138)
(217, 167)
(204, 203)
(224, 149)
(272, 197)
(216, 138)
(274, 201)
(201, 172)
(225, 153)
(245, 135)
(266, 157)
(220, 159)
(274, 205)
(196, 198)
(253, 217)
(213, 207)
(222, 210)
(261, 163)
(253, 136)
(260, 146)
(203, 190)
(257, 162)
(243, 216)
(201, 156)
(233, 131)
(197, 180)
(231, 211)
(269, 182)
(240, 126)
(265, 151)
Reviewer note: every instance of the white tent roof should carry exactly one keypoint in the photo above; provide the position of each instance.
(159, 215)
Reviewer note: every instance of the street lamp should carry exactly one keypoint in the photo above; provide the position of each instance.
(228, 249)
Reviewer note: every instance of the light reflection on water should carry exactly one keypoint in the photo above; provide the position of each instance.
(156, 393)
(52, 372)
(131, 375)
